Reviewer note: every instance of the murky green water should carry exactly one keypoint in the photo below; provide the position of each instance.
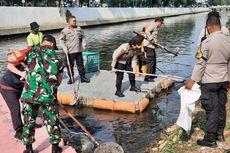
(135, 132)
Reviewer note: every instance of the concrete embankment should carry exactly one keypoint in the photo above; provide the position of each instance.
(15, 20)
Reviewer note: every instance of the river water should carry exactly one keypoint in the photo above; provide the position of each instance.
(135, 132)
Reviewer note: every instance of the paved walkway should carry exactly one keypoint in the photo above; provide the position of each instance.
(8, 144)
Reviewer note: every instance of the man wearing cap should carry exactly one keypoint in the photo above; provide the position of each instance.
(43, 76)
(149, 47)
(35, 37)
(72, 40)
(125, 58)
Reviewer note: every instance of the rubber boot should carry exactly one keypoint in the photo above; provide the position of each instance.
(29, 149)
(144, 70)
(56, 149)
(137, 70)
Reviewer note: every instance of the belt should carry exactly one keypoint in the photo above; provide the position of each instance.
(8, 88)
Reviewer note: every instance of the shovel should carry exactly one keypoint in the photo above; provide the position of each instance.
(78, 140)
(75, 96)
(175, 53)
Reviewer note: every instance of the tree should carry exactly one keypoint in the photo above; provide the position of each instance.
(3, 3)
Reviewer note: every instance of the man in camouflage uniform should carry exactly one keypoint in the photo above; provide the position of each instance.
(44, 74)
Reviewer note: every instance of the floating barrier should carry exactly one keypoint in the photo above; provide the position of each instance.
(102, 97)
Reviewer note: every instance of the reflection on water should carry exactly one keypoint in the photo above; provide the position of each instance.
(135, 132)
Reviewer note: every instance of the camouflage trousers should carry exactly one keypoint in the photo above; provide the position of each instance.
(50, 116)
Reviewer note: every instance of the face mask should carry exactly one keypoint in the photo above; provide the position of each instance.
(35, 31)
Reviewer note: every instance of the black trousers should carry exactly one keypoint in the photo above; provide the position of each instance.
(141, 58)
(213, 100)
(150, 60)
(79, 62)
(12, 101)
(120, 75)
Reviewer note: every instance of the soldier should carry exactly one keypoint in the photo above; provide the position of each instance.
(44, 75)
(73, 43)
(125, 58)
(211, 70)
(149, 47)
(35, 37)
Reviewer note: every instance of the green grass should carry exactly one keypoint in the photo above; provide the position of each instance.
(227, 126)
(168, 148)
(227, 139)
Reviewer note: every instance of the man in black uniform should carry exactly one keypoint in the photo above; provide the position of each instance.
(11, 89)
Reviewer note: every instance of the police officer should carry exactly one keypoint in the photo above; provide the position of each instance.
(35, 36)
(125, 58)
(203, 34)
(72, 40)
(211, 70)
(149, 47)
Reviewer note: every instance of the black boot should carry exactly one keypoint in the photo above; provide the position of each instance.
(70, 81)
(148, 79)
(29, 149)
(220, 135)
(220, 138)
(56, 149)
(119, 93)
(18, 134)
(208, 141)
(134, 88)
(84, 79)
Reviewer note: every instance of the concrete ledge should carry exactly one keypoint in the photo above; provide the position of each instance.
(15, 20)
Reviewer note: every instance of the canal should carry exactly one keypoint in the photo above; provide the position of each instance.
(135, 132)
